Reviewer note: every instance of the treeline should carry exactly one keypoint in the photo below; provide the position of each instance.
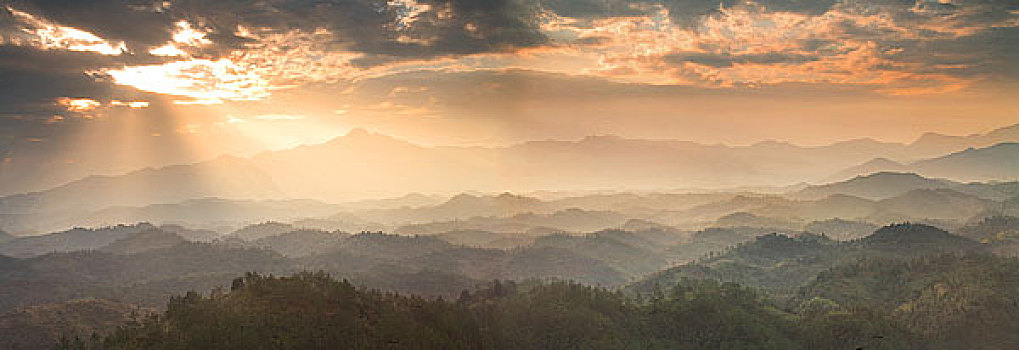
(314, 311)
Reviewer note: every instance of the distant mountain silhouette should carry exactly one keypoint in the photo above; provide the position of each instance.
(874, 186)
(569, 220)
(461, 207)
(890, 184)
(213, 212)
(876, 165)
(206, 213)
(365, 163)
(229, 192)
(936, 203)
(411, 200)
(70, 240)
(225, 177)
(998, 162)
(935, 144)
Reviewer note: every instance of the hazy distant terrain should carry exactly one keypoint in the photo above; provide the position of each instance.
(654, 179)
(104, 249)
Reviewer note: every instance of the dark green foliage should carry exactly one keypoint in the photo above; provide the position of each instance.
(951, 301)
(992, 229)
(35, 327)
(313, 311)
(840, 229)
(916, 239)
(710, 315)
(906, 286)
(780, 264)
(775, 263)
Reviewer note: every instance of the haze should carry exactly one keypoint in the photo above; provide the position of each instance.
(110, 87)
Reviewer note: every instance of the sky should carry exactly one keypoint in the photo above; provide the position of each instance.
(107, 86)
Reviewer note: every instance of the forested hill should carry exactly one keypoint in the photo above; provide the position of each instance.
(939, 303)
(313, 311)
(781, 263)
(905, 285)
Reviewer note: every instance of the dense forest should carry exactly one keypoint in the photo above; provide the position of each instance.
(308, 311)
(774, 292)
(937, 303)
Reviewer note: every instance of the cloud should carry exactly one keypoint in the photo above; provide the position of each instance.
(238, 50)
(726, 60)
(78, 104)
(129, 104)
(47, 35)
(197, 79)
(757, 44)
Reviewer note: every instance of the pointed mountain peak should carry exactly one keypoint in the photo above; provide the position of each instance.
(363, 137)
(462, 197)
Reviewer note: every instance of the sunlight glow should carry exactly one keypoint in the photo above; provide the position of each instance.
(201, 80)
(168, 50)
(279, 117)
(78, 104)
(187, 35)
(130, 104)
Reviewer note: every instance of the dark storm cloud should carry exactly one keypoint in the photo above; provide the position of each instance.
(132, 21)
(448, 27)
(992, 54)
(955, 38)
(596, 8)
(727, 60)
(688, 12)
(32, 79)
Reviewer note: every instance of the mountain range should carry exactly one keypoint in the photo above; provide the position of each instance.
(300, 183)
(996, 162)
(363, 164)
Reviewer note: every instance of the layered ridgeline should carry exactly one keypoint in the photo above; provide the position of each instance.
(367, 164)
(816, 286)
(876, 199)
(301, 182)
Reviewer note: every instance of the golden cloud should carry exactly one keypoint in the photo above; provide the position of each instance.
(51, 36)
(78, 104)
